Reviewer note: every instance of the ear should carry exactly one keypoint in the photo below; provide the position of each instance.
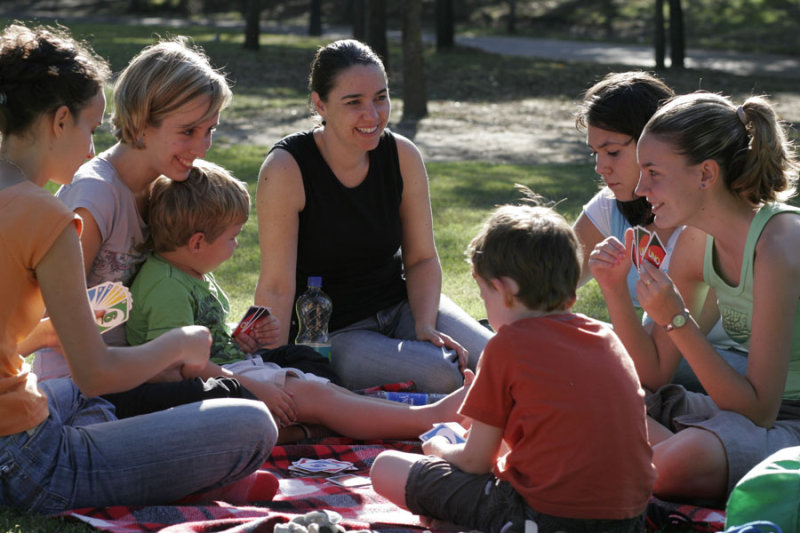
(508, 288)
(318, 103)
(196, 241)
(59, 121)
(709, 173)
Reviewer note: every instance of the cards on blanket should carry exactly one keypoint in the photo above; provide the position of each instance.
(452, 431)
(350, 480)
(647, 247)
(251, 317)
(320, 466)
(114, 299)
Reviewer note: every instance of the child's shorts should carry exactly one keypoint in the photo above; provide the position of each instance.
(438, 489)
(256, 369)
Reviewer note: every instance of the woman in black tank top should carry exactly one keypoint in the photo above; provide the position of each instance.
(348, 201)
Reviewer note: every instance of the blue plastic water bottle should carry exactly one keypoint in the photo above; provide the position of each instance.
(313, 309)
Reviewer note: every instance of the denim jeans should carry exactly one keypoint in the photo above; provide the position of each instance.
(383, 349)
(82, 456)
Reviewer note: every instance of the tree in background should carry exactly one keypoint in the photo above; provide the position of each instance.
(511, 26)
(252, 23)
(660, 40)
(445, 24)
(315, 18)
(415, 99)
(375, 26)
(677, 35)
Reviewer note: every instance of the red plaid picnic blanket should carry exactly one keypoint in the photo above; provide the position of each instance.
(253, 506)
(249, 505)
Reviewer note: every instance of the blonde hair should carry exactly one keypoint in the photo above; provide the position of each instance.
(208, 201)
(748, 142)
(158, 81)
(536, 247)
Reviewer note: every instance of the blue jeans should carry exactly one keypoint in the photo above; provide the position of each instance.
(82, 456)
(383, 349)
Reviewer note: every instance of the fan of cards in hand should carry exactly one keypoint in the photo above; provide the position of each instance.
(647, 247)
(114, 299)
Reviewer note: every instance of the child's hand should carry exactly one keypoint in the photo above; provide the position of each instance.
(435, 446)
(267, 330)
(263, 333)
(279, 402)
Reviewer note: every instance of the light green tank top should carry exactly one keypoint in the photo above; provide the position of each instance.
(736, 303)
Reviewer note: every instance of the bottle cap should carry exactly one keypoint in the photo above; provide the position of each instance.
(315, 281)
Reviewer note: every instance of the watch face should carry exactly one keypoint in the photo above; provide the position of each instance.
(679, 320)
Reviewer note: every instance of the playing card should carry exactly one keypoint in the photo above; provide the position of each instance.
(641, 238)
(251, 317)
(655, 252)
(114, 299)
(452, 431)
(350, 480)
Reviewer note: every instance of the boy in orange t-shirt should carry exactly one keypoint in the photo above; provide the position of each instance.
(558, 432)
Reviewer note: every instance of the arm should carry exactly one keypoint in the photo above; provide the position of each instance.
(91, 239)
(589, 237)
(475, 456)
(420, 258)
(653, 354)
(279, 199)
(757, 394)
(95, 367)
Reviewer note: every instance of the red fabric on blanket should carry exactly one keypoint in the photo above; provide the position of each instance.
(224, 510)
(252, 505)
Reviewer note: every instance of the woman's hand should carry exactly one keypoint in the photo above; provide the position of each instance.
(658, 294)
(437, 338)
(192, 343)
(610, 261)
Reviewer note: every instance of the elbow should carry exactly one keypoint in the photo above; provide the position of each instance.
(475, 466)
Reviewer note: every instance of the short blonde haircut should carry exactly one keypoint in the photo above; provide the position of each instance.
(208, 201)
(158, 81)
(534, 246)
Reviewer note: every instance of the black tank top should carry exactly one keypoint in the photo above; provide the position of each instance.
(350, 236)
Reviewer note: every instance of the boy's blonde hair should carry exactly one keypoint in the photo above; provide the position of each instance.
(534, 246)
(158, 81)
(208, 201)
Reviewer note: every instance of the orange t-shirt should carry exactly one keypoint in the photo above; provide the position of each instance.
(31, 219)
(572, 410)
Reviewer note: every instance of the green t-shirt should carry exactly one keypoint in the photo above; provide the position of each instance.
(165, 297)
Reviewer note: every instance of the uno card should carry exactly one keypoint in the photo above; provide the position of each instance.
(115, 300)
(641, 238)
(655, 252)
(452, 431)
(350, 480)
(251, 317)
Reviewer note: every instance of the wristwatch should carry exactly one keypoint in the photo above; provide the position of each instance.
(679, 320)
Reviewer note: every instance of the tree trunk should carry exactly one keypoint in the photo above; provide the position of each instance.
(359, 18)
(415, 100)
(512, 17)
(315, 18)
(660, 41)
(252, 26)
(376, 29)
(677, 35)
(444, 24)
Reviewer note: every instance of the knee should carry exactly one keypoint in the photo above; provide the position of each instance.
(260, 424)
(389, 475)
(692, 463)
